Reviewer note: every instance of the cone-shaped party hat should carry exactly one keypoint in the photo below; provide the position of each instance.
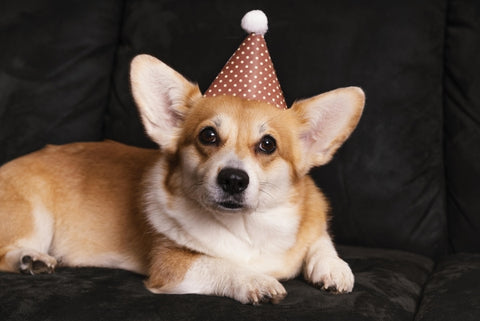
(249, 73)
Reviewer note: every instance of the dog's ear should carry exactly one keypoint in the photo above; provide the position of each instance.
(327, 121)
(163, 97)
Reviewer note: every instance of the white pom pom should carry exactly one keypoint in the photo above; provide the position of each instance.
(255, 21)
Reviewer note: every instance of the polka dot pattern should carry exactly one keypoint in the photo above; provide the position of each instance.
(249, 74)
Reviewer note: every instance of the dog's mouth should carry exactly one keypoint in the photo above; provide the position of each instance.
(230, 205)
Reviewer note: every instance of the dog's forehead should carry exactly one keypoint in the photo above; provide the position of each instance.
(247, 122)
(234, 114)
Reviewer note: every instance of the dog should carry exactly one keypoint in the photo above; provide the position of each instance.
(225, 207)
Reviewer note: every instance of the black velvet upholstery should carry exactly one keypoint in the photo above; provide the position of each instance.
(453, 292)
(406, 181)
(56, 59)
(462, 119)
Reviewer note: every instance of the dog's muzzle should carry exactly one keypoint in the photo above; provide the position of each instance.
(233, 182)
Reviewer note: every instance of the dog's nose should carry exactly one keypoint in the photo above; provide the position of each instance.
(233, 180)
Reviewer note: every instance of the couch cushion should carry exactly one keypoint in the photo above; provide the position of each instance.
(453, 292)
(387, 183)
(462, 123)
(56, 59)
(388, 287)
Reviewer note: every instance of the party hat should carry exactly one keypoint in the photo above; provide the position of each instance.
(249, 73)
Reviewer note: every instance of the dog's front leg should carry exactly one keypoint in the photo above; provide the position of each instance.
(177, 270)
(325, 269)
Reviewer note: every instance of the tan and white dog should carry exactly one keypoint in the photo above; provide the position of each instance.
(224, 208)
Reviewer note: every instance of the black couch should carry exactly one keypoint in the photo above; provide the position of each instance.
(404, 189)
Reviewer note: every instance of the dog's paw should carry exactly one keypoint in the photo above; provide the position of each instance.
(37, 263)
(330, 273)
(256, 289)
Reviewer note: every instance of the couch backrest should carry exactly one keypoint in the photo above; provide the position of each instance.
(462, 123)
(56, 59)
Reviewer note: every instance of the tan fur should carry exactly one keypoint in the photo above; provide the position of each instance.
(108, 204)
(91, 190)
(168, 264)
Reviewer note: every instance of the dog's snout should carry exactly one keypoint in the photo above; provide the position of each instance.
(233, 180)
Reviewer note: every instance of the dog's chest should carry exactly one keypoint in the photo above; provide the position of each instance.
(254, 237)
(259, 240)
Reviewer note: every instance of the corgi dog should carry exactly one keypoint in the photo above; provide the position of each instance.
(225, 207)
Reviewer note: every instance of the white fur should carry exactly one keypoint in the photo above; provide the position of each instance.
(14, 258)
(255, 21)
(44, 229)
(41, 238)
(38, 243)
(325, 268)
(105, 259)
(220, 277)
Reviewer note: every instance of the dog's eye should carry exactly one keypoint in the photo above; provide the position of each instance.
(267, 145)
(208, 136)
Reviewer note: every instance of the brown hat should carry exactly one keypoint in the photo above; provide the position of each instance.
(249, 73)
